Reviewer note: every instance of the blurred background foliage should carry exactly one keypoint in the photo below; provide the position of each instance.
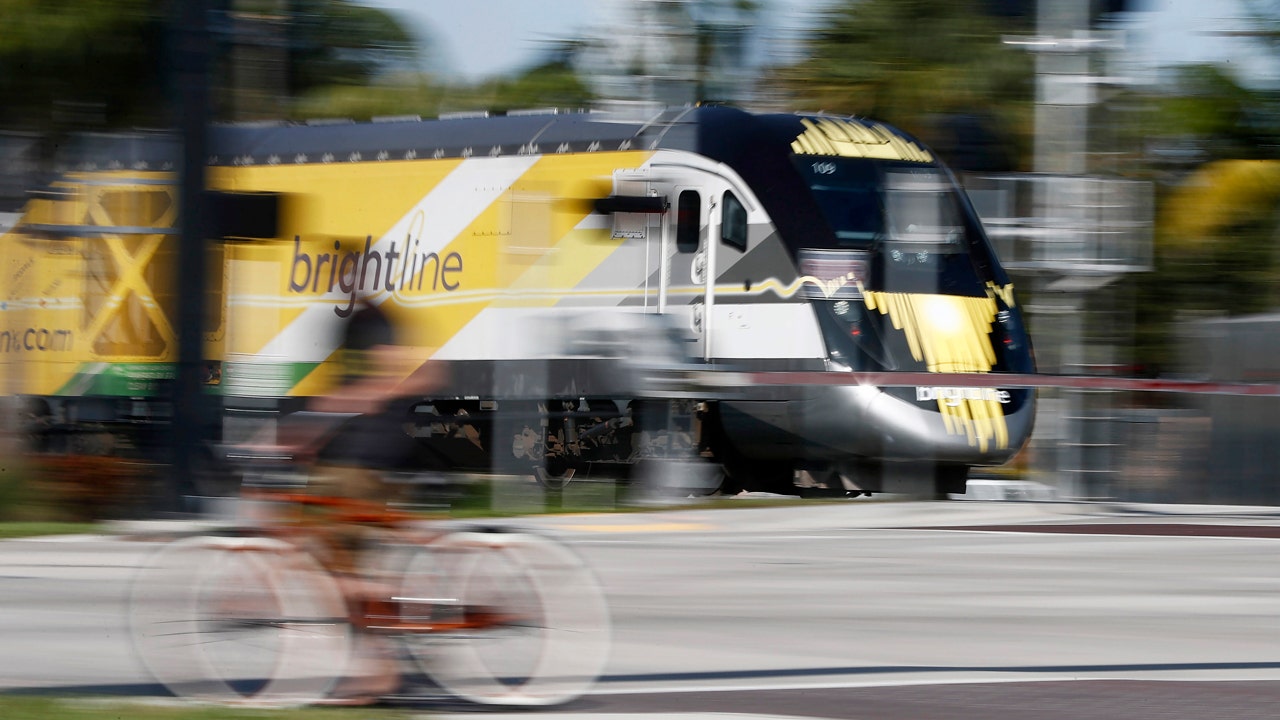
(916, 63)
(941, 69)
(71, 64)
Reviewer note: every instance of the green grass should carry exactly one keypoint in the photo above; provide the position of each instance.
(19, 707)
(36, 528)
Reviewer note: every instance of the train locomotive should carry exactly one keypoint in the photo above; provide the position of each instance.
(548, 260)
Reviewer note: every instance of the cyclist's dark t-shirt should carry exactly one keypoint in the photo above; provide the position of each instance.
(375, 440)
(366, 330)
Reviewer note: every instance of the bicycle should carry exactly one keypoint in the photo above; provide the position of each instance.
(251, 616)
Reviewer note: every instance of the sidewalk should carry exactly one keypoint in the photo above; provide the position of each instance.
(748, 517)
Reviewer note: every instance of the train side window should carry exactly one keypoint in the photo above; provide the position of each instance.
(688, 221)
(733, 223)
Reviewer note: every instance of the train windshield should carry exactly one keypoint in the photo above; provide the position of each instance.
(869, 202)
(899, 227)
(921, 207)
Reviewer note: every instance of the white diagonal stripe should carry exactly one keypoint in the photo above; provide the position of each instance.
(445, 212)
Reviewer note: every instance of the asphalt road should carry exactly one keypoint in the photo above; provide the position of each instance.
(852, 610)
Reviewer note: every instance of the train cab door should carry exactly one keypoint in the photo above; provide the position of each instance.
(664, 220)
(689, 261)
(638, 210)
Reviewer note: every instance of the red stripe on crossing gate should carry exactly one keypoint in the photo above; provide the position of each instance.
(1006, 381)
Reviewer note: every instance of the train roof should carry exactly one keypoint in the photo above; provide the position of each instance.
(719, 132)
(443, 138)
(759, 147)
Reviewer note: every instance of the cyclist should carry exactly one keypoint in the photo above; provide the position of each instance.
(353, 436)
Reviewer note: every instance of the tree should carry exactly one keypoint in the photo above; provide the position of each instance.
(339, 42)
(1216, 252)
(70, 65)
(1212, 143)
(553, 83)
(909, 61)
(1208, 107)
(66, 64)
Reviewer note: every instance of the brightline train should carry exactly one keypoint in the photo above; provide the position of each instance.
(539, 257)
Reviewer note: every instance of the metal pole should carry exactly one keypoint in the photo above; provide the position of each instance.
(191, 74)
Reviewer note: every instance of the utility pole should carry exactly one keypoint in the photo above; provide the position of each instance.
(1086, 232)
(1064, 89)
(192, 47)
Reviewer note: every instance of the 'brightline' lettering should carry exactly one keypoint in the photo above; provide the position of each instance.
(952, 396)
(351, 273)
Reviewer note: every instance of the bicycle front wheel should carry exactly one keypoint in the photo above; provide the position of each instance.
(240, 620)
(505, 618)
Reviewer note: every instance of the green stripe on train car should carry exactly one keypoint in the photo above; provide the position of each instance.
(144, 379)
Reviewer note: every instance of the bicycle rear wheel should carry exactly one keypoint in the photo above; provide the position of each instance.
(514, 619)
(240, 620)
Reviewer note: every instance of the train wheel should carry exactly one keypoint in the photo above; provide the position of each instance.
(729, 485)
(773, 476)
(516, 444)
(768, 476)
(514, 619)
(553, 477)
(950, 480)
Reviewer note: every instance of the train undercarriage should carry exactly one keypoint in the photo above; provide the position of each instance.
(556, 441)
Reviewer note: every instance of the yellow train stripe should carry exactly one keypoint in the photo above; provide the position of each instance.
(951, 334)
(323, 204)
(523, 249)
(567, 183)
(849, 138)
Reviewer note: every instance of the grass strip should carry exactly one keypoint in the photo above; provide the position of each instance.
(10, 530)
(28, 707)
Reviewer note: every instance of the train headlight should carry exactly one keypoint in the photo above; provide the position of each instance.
(942, 314)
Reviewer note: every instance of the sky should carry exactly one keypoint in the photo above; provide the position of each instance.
(481, 38)
(474, 39)
(1186, 31)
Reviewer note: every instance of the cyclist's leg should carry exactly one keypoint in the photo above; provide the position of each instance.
(374, 669)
